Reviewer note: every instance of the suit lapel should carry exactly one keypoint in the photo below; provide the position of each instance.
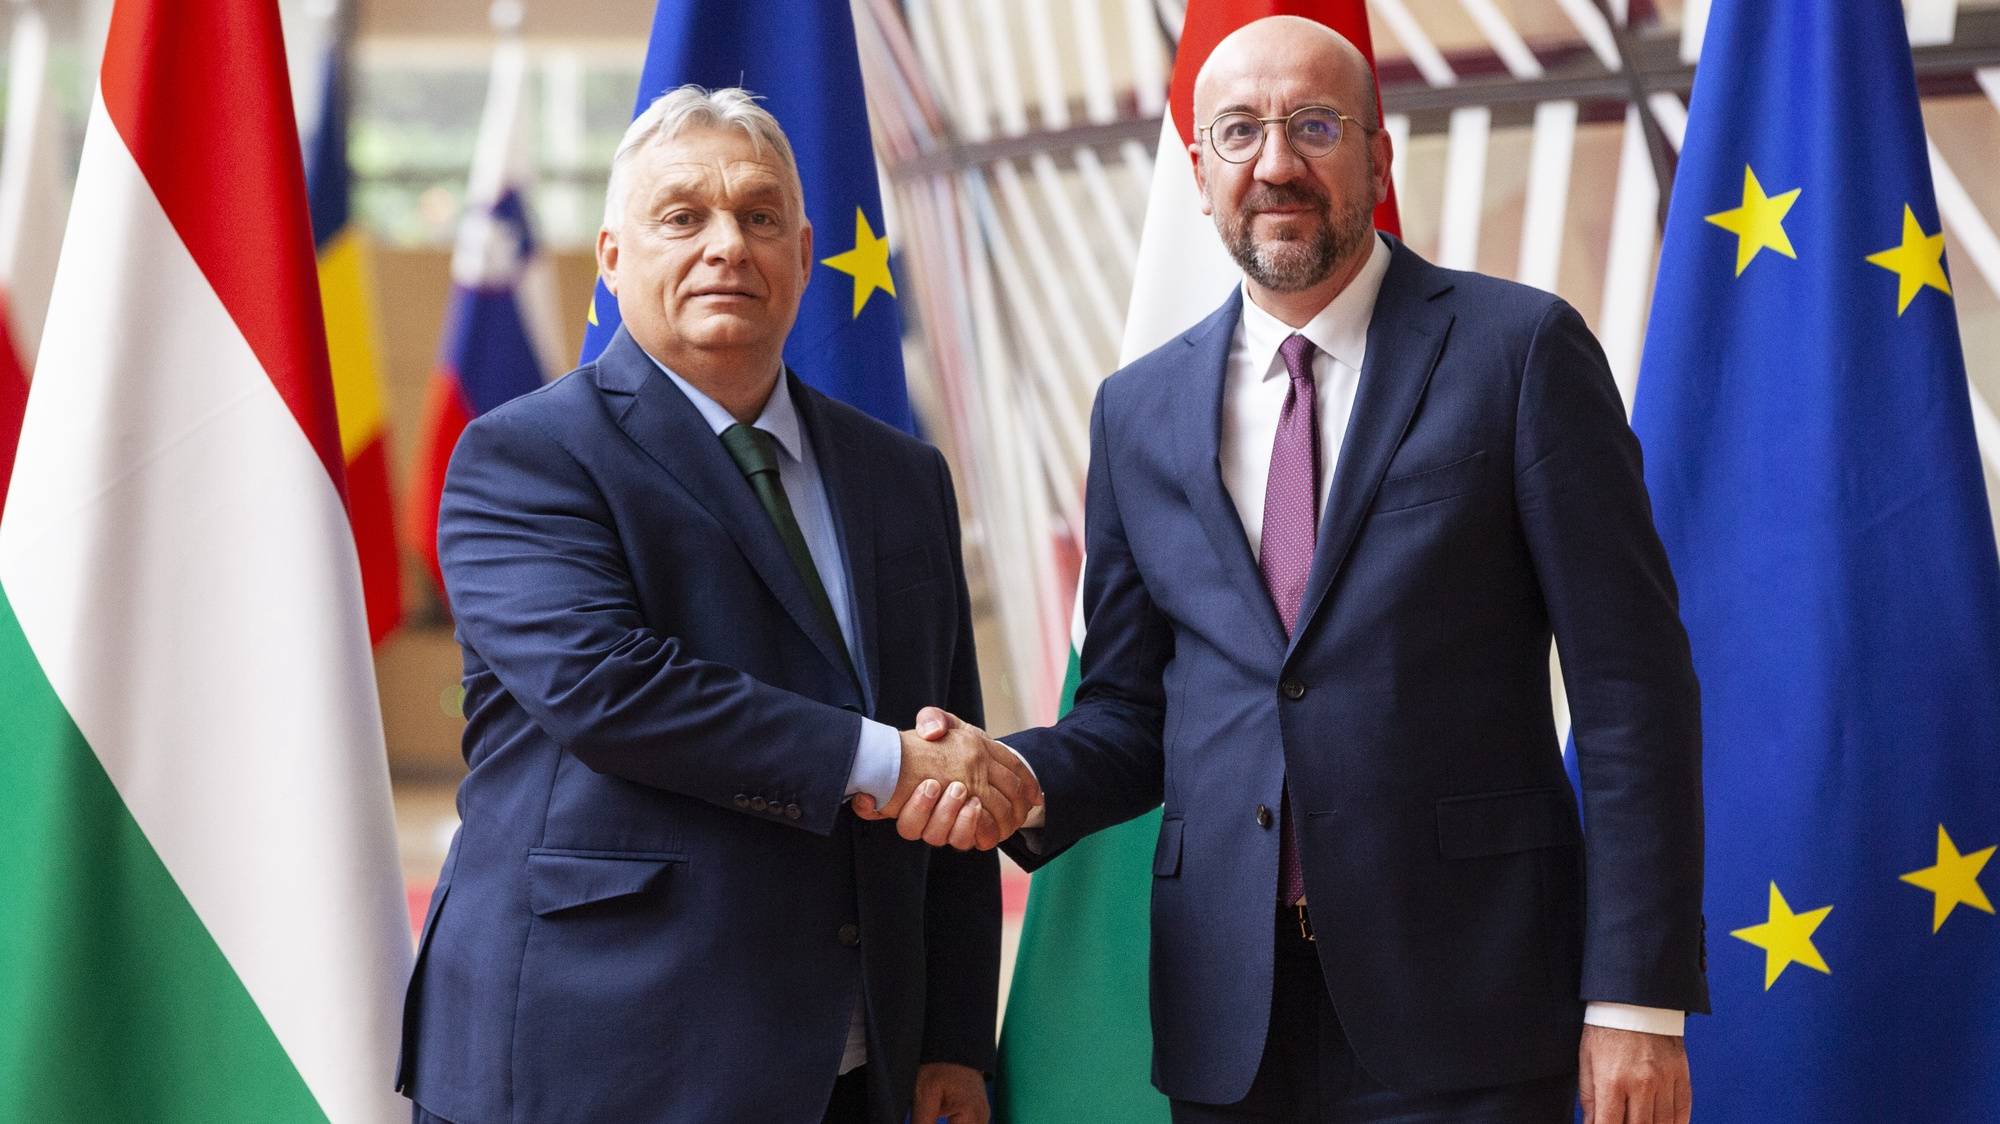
(672, 431)
(1405, 336)
(843, 463)
(1201, 471)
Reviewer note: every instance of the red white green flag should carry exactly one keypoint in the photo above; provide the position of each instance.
(200, 917)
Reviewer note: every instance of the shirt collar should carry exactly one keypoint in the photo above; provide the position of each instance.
(780, 417)
(1340, 329)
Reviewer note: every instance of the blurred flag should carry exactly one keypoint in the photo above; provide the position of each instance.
(1809, 449)
(345, 291)
(503, 330)
(800, 58)
(200, 915)
(1077, 1041)
(34, 200)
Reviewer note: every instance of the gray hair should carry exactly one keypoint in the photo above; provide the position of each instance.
(693, 107)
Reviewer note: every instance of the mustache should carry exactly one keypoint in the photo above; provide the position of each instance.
(1265, 196)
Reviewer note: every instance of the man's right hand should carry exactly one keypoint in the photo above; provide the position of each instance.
(957, 786)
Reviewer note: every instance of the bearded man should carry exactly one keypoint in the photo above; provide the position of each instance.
(1331, 530)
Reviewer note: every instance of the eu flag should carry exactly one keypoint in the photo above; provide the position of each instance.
(1810, 453)
(799, 56)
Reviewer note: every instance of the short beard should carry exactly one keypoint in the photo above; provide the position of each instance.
(1290, 265)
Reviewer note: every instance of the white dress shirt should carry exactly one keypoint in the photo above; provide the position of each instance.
(879, 757)
(1253, 394)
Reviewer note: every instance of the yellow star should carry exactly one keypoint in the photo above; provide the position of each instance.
(1955, 880)
(1786, 938)
(1759, 223)
(867, 263)
(1919, 261)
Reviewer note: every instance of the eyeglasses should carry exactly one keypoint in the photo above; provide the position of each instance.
(1312, 131)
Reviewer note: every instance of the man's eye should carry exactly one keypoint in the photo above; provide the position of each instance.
(763, 218)
(680, 218)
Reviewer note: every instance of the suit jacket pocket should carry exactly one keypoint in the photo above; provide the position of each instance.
(907, 568)
(1502, 823)
(1414, 489)
(1167, 853)
(560, 880)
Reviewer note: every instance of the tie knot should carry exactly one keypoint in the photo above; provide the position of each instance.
(753, 449)
(1298, 353)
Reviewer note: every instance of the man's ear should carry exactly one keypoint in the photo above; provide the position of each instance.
(1200, 177)
(806, 248)
(607, 259)
(1383, 151)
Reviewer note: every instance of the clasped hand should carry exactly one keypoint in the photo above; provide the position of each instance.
(957, 786)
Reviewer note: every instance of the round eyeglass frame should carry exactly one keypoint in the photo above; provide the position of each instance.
(1208, 132)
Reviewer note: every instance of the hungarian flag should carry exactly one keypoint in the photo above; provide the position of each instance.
(1077, 1040)
(33, 201)
(200, 917)
(503, 330)
(355, 350)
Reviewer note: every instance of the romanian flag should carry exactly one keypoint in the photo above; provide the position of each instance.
(503, 329)
(201, 918)
(1077, 1040)
(1810, 454)
(344, 273)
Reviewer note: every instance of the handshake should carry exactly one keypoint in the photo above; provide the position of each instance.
(957, 786)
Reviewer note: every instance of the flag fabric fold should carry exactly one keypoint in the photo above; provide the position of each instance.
(503, 330)
(800, 58)
(1077, 1043)
(200, 917)
(34, 201)
(1810, 453)
(354, 347)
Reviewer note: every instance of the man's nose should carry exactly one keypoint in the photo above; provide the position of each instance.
(725, 241)
(1276, 162)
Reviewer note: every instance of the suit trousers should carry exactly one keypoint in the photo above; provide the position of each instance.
(1309, 1074)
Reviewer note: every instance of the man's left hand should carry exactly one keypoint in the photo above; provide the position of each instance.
(953, 1091)
(1628, 1077)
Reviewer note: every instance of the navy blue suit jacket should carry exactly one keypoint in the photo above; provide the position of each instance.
(658, 907)
(1488, 492)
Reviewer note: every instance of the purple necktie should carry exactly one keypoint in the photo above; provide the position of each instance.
(1291, 526)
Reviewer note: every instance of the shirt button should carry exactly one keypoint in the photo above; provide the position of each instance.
(1292, 689)
(1264, 816)
(792, 812)
(758, 803)
(849, 934)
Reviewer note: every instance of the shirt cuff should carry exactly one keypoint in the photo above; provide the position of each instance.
(1628, 1016)
(1039, 816)
(878, 761)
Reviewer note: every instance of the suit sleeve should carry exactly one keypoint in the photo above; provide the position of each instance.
(962, 894)
(1626, 667)
(542, 591)
(1103, 762)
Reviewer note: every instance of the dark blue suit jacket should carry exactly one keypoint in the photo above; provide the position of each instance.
(658, 907)
(1488, 491)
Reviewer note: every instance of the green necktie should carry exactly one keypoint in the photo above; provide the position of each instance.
(756, 453)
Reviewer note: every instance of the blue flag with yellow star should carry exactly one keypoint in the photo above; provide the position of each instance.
(799, 56)
(1810, 453)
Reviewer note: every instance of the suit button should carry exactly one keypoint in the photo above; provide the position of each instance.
(1264, 816)
(758, 803)
(849, 934)
(1292, 689)
(792, 812)
(742, 801)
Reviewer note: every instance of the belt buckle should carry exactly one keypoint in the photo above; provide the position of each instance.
(1305, 923)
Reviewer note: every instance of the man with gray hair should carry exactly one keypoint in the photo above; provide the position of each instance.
(672, 573)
